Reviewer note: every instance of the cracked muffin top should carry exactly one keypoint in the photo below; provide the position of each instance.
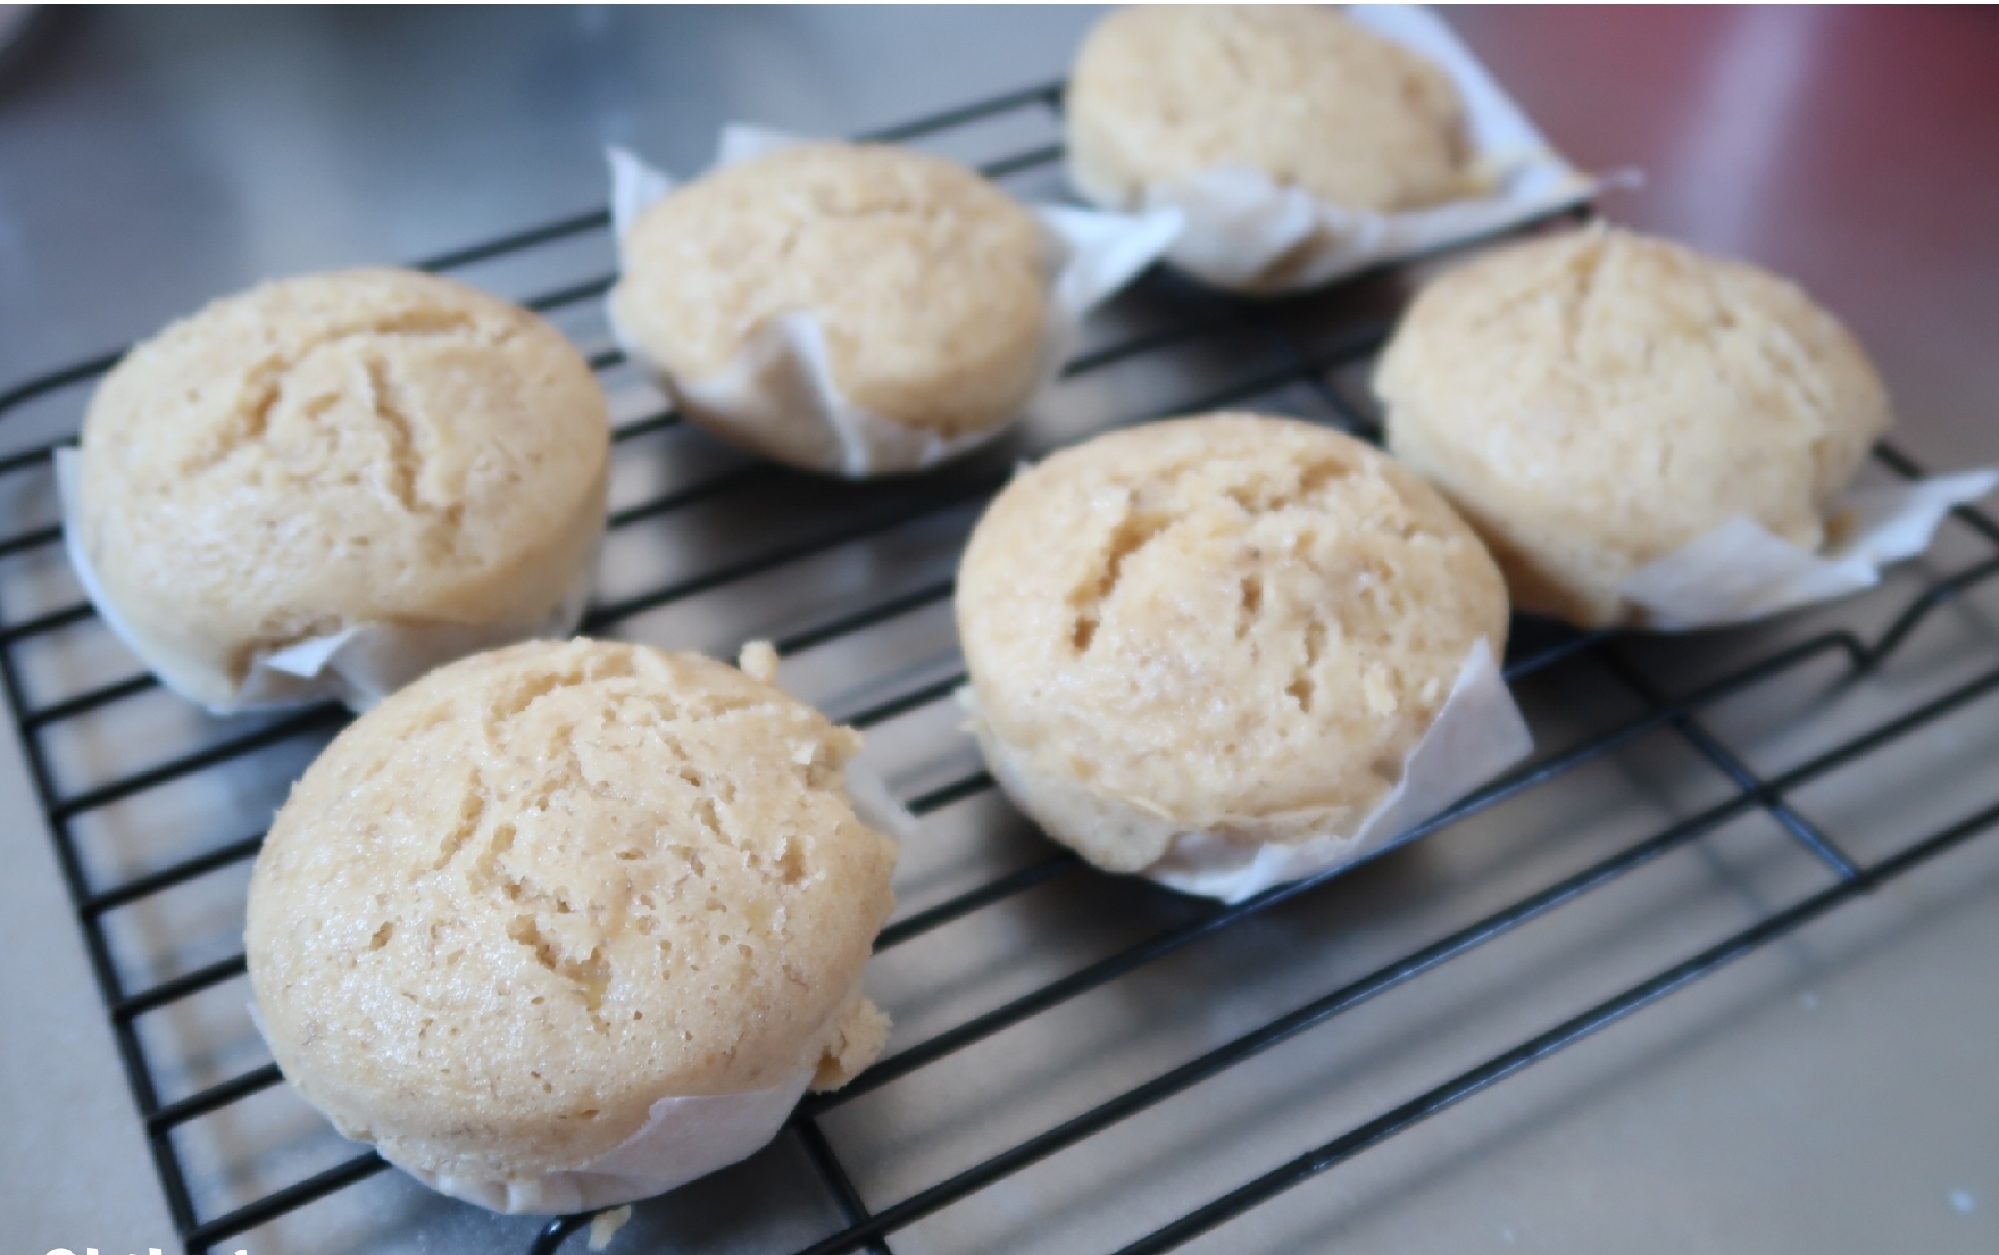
(363, 446)
(1595, 400)
(1302, 93)
(925, 278)
(1218, 622)
(540, 889)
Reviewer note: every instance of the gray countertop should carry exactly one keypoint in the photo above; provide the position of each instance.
(1831, 1093)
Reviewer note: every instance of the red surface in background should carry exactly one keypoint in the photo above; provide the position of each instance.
(1854, 149)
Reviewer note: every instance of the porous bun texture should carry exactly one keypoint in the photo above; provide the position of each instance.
(926, 280)
(368, 446)
(1301, 93)
(1232, 624)
(531, 894)
(1594, 400)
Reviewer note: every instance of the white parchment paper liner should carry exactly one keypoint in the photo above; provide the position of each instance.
(1478, 733)
(359, 665)
(876, 805)
(1245, 232)
(783, 371)
(682, 1139)
(1740, 571)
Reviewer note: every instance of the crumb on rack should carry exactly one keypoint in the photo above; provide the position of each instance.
(605, 1225)
(759, 661)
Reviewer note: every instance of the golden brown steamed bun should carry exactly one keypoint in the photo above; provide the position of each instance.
(1231, 624)
(1301, 93)
(925, 279)
(369, 446)
(1595, 400)
(542, 888)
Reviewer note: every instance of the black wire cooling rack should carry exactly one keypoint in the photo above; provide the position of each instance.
(1304, 347)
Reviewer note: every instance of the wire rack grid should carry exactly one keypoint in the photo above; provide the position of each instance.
(823, 542)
